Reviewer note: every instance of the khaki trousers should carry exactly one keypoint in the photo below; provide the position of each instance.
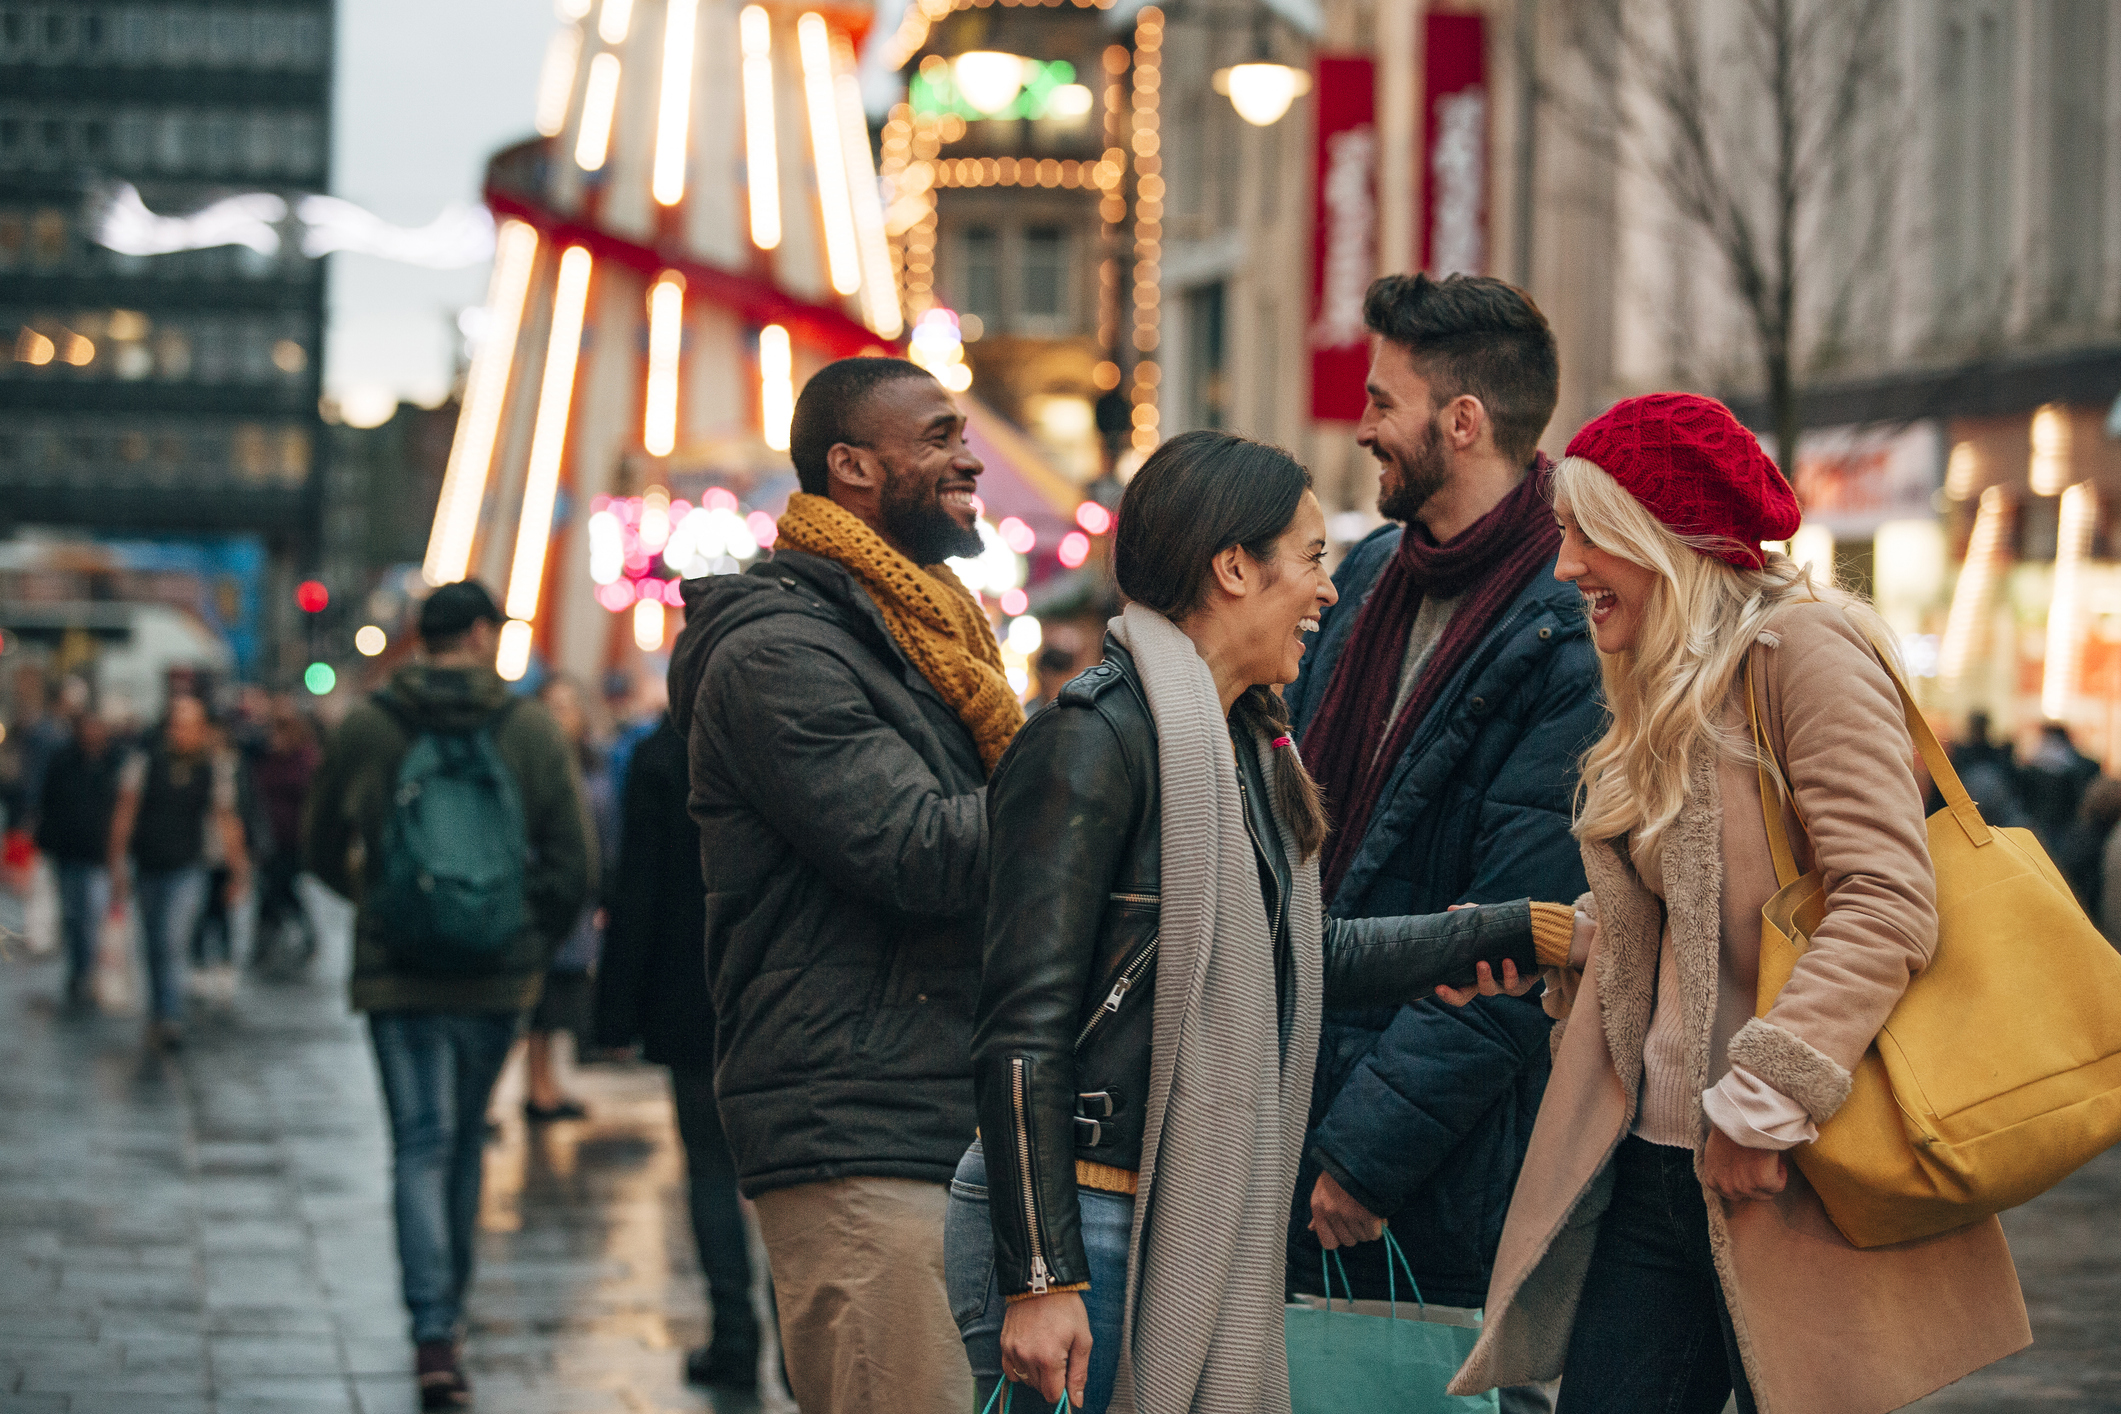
(858, 1277)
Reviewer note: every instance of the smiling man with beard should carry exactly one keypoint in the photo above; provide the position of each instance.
(843, 704)
(1442, 708)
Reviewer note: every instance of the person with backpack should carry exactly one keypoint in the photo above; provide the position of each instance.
(450, 812)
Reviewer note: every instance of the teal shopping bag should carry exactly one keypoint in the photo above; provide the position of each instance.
(1378, 1357)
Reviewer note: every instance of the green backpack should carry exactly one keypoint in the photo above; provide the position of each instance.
(447, 897)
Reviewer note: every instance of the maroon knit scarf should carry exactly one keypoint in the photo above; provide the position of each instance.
(1493, 558)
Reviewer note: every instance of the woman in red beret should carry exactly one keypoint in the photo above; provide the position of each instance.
(1660, 1248)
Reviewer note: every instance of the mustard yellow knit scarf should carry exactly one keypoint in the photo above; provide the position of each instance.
(930, 613)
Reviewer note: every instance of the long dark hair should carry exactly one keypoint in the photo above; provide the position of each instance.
(1196, 496)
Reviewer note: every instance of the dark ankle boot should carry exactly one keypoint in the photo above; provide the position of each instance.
(442, 1383)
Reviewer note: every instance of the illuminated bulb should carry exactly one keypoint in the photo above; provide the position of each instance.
(842, 259)
(2065, 631)
(1070, 100)
(655, 519)
(957, 377)
(614, 20)
(776, 385)
(556, 79)
(1961, 471)
(35, 349)
(572, 9)
(879, 291)
(513, 658)
(1985, 553)
(479, 423)
(1074, 549)
(2050, 467)
(1025, 635)
(988, 79)
(1261, 93)
(761, 160)
(674, 115)
(607, 548)
(666, 327)
(369, 640)
(548, 438)
(1093, 518)
(648, 625)
(600, 98)
(1017, 535)
(1015, 601)
(78, 350)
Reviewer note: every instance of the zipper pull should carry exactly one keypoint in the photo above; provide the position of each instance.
(1041, 1279)
(1119, 990)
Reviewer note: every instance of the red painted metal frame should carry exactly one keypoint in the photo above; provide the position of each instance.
(754, 300)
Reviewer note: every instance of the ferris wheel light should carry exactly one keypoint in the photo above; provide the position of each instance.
(776, 385)
(842, 260)
(674, 116)
(600, 100)
(989, 79)
(1262, 93)
(762, 175)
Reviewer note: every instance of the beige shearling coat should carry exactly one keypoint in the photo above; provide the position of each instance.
(1823, 1327)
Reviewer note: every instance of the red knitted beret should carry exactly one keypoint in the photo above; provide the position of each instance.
(1694, 467)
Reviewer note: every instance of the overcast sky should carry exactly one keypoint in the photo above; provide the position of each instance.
(426, 91)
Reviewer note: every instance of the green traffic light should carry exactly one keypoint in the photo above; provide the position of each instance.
(319, 679)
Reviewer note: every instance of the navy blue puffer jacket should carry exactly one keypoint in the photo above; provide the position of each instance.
(1423, 1112)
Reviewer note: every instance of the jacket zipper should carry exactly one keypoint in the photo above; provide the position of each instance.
(1274, 879)
(1019, 1086)
(1121, 985)
(1137, 898)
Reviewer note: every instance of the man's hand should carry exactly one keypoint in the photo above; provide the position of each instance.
(1337, 1219)
(1046, 1345)
(1740, 1174)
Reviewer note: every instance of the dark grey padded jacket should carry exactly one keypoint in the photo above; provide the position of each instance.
(842, 815)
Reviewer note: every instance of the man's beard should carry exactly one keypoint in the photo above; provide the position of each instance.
(915, 518)
(1422, 473)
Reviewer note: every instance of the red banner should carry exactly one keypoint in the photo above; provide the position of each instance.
(1344, 234)
(1454, 169)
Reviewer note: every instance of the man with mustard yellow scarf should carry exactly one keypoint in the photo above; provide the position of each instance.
(843, 704)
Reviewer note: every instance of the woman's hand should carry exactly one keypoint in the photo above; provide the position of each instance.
(1046, 1345)
(1740, 1174)
(1511, 984)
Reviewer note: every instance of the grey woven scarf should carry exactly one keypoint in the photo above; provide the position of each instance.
(1224, 1118)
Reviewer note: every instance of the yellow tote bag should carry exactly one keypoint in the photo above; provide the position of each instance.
(1999, 1073)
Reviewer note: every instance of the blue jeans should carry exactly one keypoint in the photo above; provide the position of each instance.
(84, 897)
(1651, 1330)
(976, 1300)
(438, 1069)
(170, 901)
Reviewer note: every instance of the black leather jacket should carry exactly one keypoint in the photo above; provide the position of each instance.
(1065, 1020)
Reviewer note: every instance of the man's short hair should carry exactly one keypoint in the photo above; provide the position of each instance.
(1480, 335)
(448, 613)
(830, 411)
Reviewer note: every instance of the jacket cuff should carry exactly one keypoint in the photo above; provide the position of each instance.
(1792, 1065)
(1378, 1207)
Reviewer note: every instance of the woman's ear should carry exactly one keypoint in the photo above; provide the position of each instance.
(1233, 575)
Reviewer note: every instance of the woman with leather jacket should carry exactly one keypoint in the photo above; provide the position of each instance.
(1156, 957)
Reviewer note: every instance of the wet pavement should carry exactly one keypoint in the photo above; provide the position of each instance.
(211, 1232)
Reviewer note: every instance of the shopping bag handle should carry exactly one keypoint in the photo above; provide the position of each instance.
(1394, 1252)
(1059, 1407)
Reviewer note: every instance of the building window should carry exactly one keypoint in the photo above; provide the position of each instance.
(1207, 385)
(980, 285)
(1042, 302)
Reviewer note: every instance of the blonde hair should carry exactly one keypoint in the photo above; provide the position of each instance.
(1667, 693)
